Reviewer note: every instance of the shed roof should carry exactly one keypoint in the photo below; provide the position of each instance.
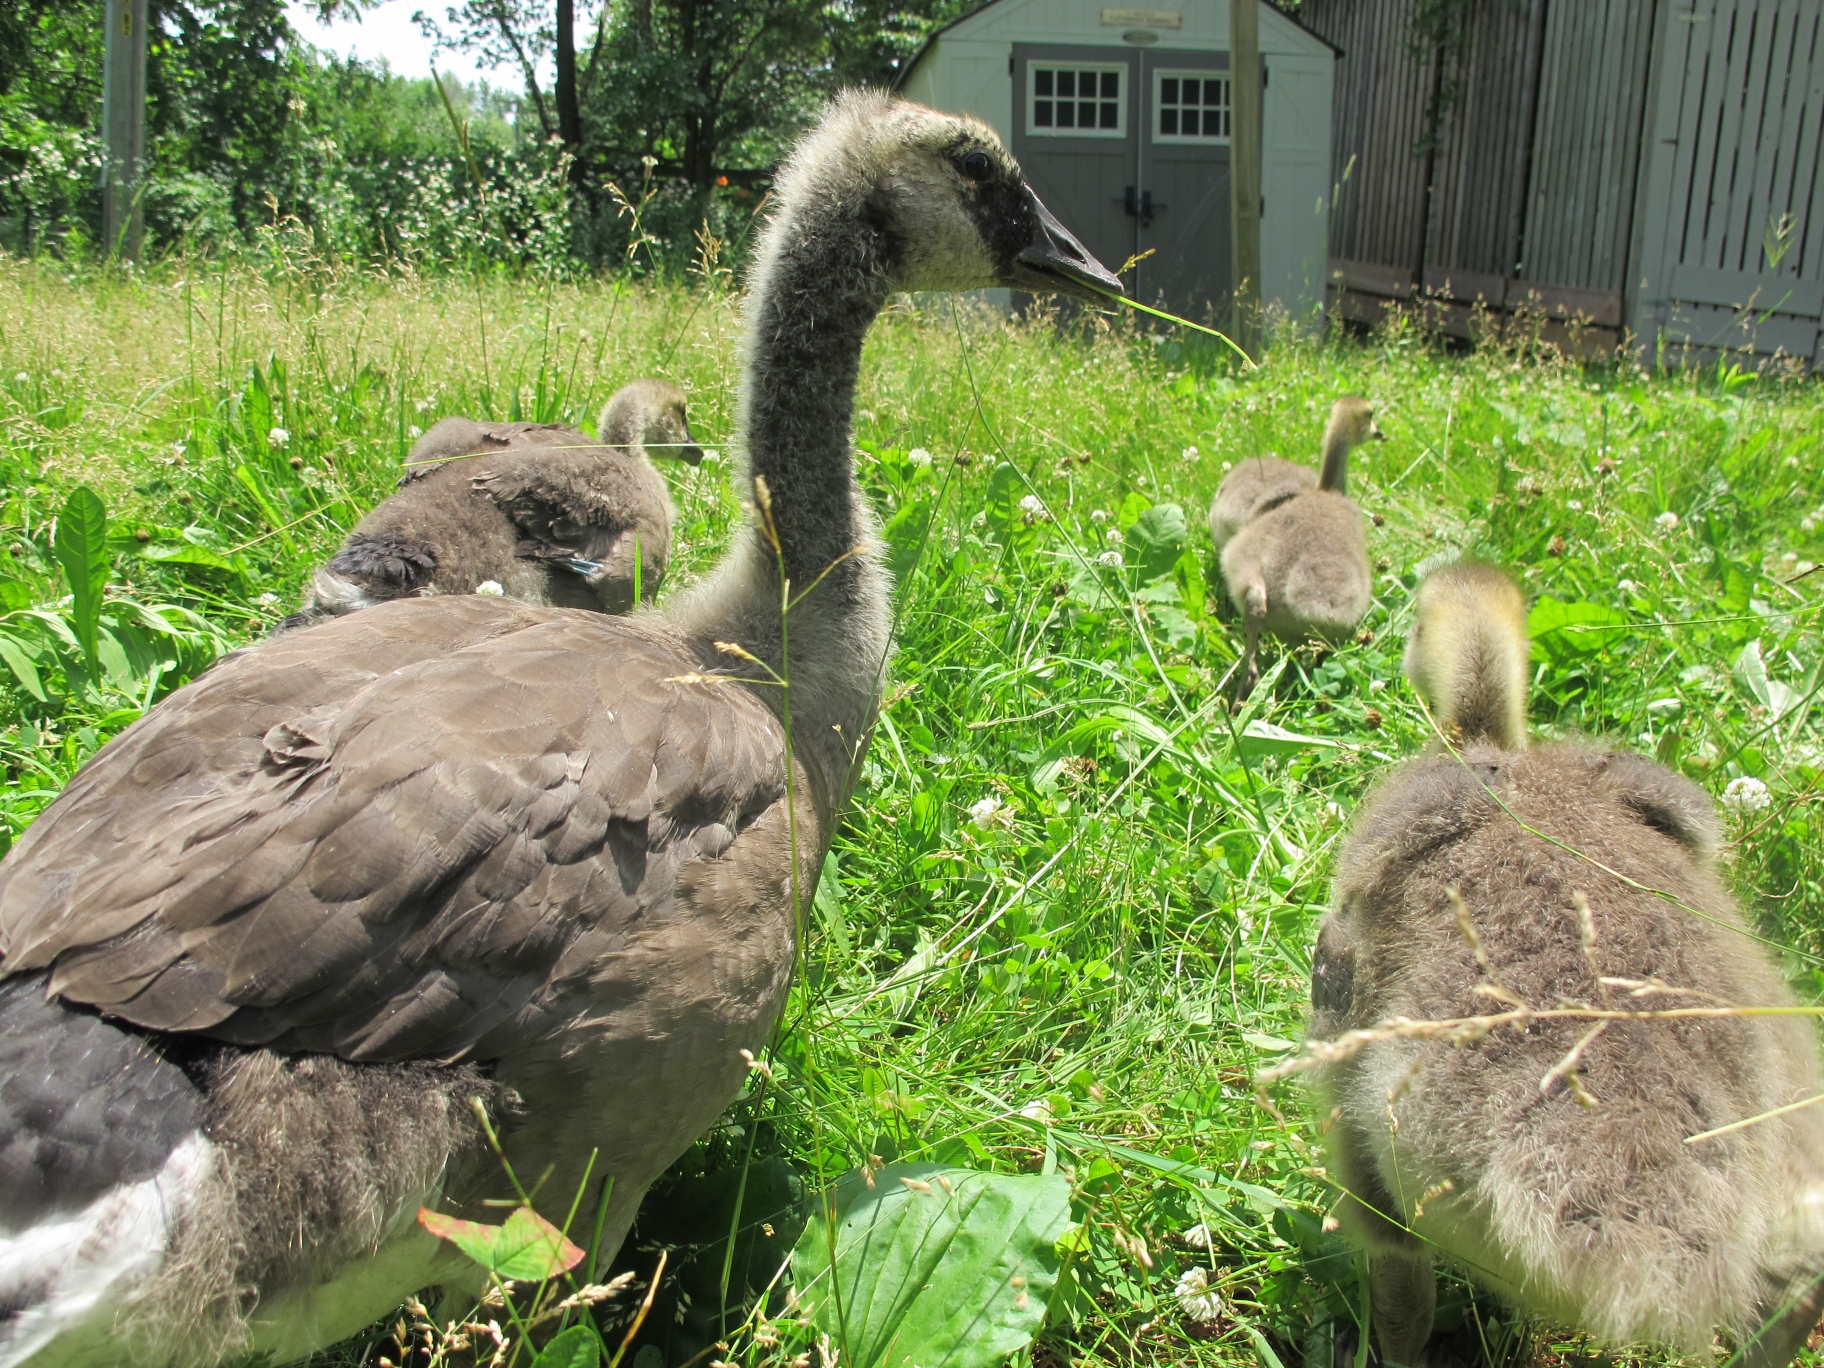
(931, 39)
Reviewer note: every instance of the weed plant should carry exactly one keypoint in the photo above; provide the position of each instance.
(1071, 910)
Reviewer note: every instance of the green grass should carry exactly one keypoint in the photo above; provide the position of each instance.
(1087, 971)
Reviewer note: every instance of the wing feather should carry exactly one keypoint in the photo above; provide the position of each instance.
(414, 831)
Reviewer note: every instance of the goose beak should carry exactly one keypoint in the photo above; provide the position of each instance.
(1056, 261)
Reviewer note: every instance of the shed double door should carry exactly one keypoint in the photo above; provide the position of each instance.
(1130, 148)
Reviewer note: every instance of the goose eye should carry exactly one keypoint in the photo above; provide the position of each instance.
(977, 166)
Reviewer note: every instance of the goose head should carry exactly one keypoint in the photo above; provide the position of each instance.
(944, 205)
(1352, 423)
(652, 414)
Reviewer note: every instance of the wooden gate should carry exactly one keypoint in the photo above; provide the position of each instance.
(1732, 203)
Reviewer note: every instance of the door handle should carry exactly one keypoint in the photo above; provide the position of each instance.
(1140, 204)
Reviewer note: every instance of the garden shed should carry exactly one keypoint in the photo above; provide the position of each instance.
(1644, 166)
(1120, 117)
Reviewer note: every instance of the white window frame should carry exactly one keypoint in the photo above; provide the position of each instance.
(1056, 64)
(1160, 77)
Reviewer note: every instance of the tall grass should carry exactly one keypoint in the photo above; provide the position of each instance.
(1070, 913)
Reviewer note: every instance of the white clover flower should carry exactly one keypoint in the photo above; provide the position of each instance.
(1228, 466)
(21, 377)
(919, 457)
(1111, 559)
(711, 457)
(1196, 1298)
(989, 813)
(1746, 795)
(278, 436)
(1666, 521)
(1575, 505)
(1114, 536)
(416, 430)
(1037, 1111)
(1808, 523)
(1034, 508)
(1098, 516)
(1627, 586)
(1792, 463)
(267, 599)
(1188, 454)
(490, 587)
(1198, 1236)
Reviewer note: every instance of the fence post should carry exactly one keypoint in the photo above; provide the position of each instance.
(123, 128)
(1244, 168)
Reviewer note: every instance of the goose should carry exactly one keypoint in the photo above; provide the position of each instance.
(534, 508)
(1299, 568)
(266, 947)
(1577, 1198)
(1262, 483)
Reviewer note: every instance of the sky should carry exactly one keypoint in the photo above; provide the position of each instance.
(387, 31)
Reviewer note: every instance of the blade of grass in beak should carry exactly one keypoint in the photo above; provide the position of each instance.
(1186, 323)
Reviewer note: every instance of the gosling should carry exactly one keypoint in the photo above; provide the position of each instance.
(535, 511)
(1553, 1163)
(1262, 483)
(1300, 569)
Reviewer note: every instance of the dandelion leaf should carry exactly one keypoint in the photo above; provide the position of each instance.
(932, 1265)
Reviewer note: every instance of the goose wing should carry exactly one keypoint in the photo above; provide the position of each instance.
(416, 832)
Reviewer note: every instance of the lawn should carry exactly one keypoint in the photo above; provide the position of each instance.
(1070, 914)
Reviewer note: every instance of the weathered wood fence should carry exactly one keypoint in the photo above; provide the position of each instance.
(1616, 166)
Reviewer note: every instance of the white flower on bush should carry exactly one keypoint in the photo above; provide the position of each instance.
(1111, 559)
(919, 457)
(1196, 1298)
(278, 436)
(990, 813)
(1666, 521)
(490, 587)
(1098, 516)
(1746, 795)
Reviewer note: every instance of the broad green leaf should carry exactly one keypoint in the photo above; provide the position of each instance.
(189, 553)
(932, 1266)
(81, 548)
(578, 1347)
(1777, 696)
(524, 1248)
(828, 905)
(1563, 631)
(1156, 541)
(13, 651)
(1263, 738)
(905, 536)
(1010, 524)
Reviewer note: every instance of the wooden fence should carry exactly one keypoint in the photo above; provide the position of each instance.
(1594, 163)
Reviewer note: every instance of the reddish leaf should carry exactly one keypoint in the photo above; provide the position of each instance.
(525, 1248)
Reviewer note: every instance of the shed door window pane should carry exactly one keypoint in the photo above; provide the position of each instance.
(1190, 106)
(1075, 101)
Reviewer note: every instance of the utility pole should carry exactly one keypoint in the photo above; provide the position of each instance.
(1244, 168)
(123, 128)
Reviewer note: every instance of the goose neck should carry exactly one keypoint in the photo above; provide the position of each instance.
(1334, 474)
(807, 322)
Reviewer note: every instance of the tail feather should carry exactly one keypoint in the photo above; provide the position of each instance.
(1467, 654)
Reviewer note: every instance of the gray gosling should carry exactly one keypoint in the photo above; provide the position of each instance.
(261, 953)
(1262, 483)
(1550, 1163)
(1300, 568)
(536, 509)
